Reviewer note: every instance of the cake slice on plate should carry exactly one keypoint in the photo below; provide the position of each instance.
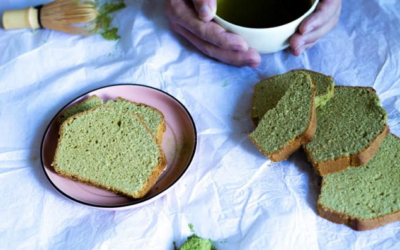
(110, 149)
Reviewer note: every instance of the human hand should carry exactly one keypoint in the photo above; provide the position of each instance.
(315, 26)
(193, 20)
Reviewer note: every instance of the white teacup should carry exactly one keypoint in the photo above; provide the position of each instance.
(267, 40)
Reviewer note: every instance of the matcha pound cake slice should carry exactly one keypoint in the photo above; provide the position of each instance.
(365, 197)
(351, 126)
(91, 102)
(109, 149)
(269, 91)
(153, 118)
(283, 129)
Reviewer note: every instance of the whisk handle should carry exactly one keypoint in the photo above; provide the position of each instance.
(20, 19)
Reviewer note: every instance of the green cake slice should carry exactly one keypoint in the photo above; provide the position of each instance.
(84, 105)
(292, 123)
(153, 118)
(109, 149)
(269, 91)
(365, 197)
(351, 126)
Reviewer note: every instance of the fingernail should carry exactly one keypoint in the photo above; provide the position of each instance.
(238, 48)
(299, 51)
(251, 63)
(308, 29)
(205, 12)
(299, 45)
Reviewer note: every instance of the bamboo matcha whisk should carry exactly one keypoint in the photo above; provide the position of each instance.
(71, 16)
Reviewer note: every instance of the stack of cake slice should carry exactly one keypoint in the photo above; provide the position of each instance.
(115, 146)
(349, 147)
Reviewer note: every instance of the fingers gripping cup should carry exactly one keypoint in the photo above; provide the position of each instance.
(266, 25)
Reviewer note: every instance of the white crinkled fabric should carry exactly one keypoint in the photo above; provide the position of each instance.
(231, 193)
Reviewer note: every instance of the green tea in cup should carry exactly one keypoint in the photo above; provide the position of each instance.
(262, 13)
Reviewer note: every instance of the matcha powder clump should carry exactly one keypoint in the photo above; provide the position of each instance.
(111, 34)
(194, 242)
(104, 20)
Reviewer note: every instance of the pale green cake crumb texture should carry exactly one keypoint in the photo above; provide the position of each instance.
(268, 92)
(79, 107)
(109, 148)
(347, 124)
(289, 119)
(369, 191)
(194, 242)
(153, 118)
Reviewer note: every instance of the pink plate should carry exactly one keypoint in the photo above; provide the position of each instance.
(179, 145)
